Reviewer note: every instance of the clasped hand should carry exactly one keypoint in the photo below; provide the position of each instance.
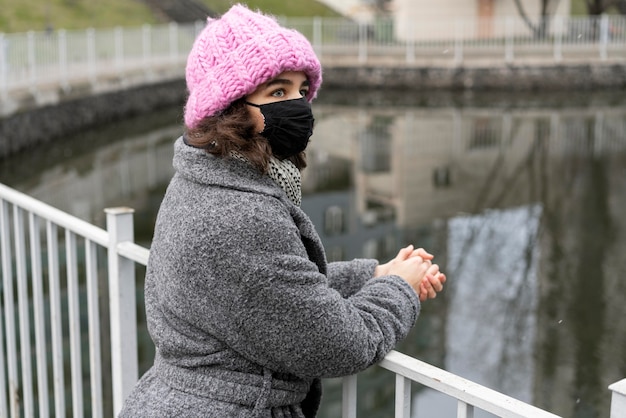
(415, 266)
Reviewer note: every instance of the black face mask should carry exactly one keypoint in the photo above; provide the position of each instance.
(288, 125)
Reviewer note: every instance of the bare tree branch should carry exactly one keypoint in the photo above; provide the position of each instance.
(522, 12)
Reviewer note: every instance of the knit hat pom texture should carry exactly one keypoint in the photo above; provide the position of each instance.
(235, 54)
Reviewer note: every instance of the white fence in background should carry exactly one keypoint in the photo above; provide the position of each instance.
(40, 299)
(33, 60)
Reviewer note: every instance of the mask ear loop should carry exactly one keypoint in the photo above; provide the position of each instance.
(257, 106)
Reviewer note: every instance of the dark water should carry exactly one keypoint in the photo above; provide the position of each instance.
(522, 198)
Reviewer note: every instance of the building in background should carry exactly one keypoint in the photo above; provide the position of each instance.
(424, 19)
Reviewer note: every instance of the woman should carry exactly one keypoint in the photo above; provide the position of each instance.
(245, 312)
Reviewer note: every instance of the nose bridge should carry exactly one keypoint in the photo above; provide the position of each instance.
(293, 93)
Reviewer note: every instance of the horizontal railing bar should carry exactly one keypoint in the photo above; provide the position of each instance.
(133, 252)
(465, 390)
(54, 215)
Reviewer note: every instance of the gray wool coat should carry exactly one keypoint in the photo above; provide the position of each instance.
(245, 312)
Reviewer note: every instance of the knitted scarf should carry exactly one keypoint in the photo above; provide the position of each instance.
(285, 174)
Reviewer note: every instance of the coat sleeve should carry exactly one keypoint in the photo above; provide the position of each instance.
(243, 276)
(348, 277)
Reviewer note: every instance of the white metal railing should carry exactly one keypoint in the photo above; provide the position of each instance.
(29, 61)
(27, 222)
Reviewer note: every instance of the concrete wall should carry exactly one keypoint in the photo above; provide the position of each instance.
(511, 78)
(29, 128)
(38, 125)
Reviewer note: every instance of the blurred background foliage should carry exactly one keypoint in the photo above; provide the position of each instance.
(39, 15)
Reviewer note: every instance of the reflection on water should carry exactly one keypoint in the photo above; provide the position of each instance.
(520, 198)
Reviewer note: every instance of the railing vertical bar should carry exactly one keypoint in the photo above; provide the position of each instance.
(4, 67)
(410, 46)
(604, 36)
(74, 323)
(363, 41)
(403, 397)
(509, 43)
(458, 42)
(122, 306)
(348, 400)
(146, 46)
(92, 64)
(95, 358)
(119, 48)
(32, 63)
(4, 410)
(9, 316)
(24, 317)
(558, 38)
(63, 65)
(316, 39)
(173, 37)
(56, 325)
(464, 410)
(39, 316)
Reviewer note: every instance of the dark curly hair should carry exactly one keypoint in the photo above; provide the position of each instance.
(234, 130)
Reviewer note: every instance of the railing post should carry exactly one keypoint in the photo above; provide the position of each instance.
(173, 35)
(464, 410)
(348, 399)
(410, 45)
(458, 42)
(146, 45)
(62, 39)
(4, 67)
(618, 399)
(91, 54)
(119, 49)
(604, 36)
(122, 305)
(403, 397)
(509, 40)
(32, 65)
(558, 38)
(317, 35)
(362, 42)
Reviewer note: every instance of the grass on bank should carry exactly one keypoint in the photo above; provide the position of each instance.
(39, 15)
(277, 7)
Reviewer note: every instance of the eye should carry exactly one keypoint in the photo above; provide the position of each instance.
(304, 92)
(278, 93)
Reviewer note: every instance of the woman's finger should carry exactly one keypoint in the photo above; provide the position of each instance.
(435, 282)
(422, 253)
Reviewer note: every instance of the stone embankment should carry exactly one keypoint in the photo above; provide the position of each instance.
(36, 126)
(31, 127)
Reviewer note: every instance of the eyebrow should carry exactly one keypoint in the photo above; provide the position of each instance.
(284, 81)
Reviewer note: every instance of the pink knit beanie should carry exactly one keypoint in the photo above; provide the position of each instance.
(233, 55)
